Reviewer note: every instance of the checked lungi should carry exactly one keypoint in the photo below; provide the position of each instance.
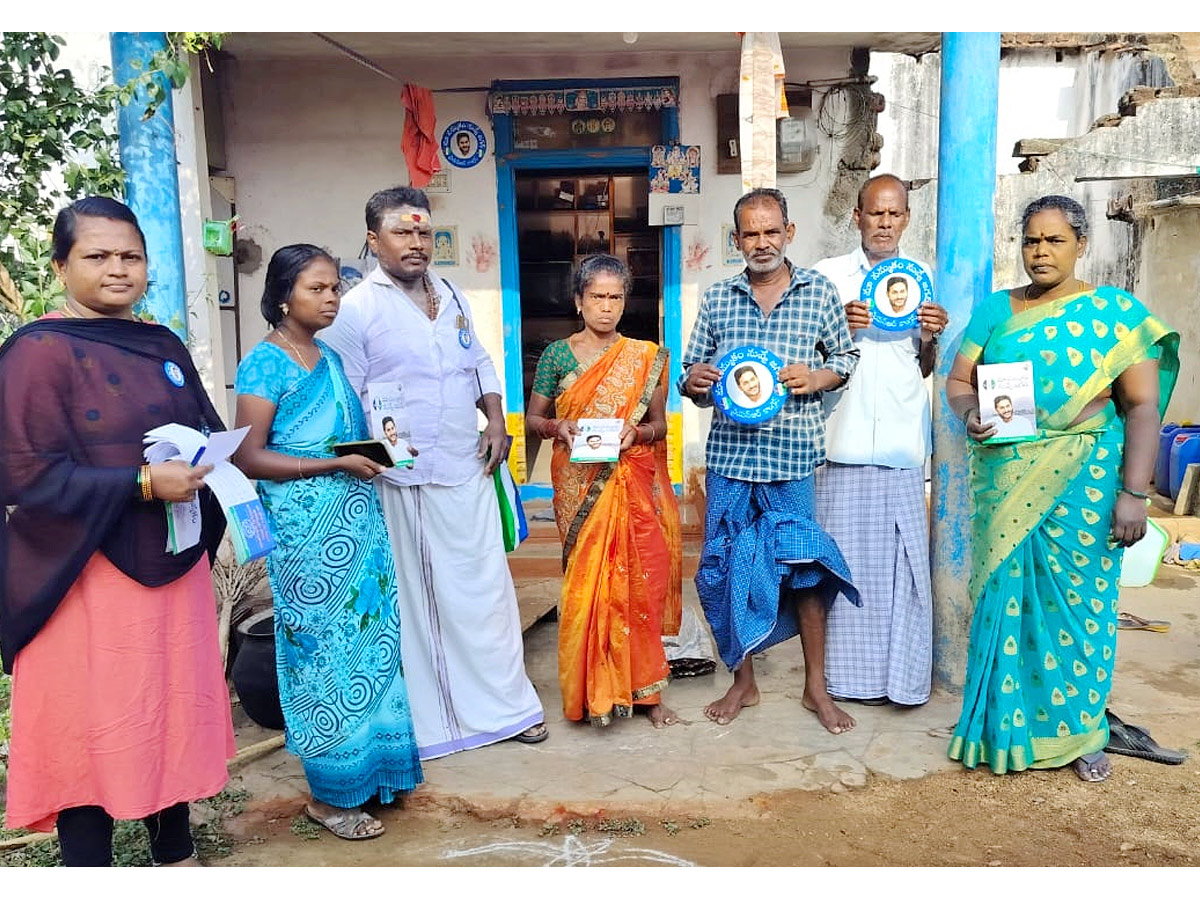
(879, 519)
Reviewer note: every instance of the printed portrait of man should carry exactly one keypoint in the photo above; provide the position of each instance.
(1010, 423)
(897, 296)
(390, 432)
(749, 385)
(463, 143)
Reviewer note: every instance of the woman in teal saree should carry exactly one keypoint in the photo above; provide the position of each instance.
(1053, 514)
(337, 630)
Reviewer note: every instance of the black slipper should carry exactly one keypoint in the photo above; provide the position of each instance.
(865, 701)
(1130, 740)
(539, 733)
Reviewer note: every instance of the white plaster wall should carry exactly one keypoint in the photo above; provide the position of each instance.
(200, 274)
(1169, 287)
(1040, 96)
(309, 141)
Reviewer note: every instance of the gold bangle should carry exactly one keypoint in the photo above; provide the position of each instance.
(144, 482)
(299, 471)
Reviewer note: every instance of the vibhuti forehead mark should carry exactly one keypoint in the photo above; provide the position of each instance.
(416, 217)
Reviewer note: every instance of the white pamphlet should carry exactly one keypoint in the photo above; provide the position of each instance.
(599, 440)
(389, 419)
(243, 510)
(1006, 401)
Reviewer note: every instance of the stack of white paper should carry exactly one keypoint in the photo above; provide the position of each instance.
(243, 510)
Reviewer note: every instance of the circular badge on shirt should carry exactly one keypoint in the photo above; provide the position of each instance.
(748, 391)
(464, 338)
(174, 373)
(893, 290)
(463, 144)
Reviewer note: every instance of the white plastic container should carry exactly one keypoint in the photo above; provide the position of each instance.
(1141, 561)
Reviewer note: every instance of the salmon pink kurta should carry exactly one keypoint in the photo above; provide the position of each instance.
(120, 701)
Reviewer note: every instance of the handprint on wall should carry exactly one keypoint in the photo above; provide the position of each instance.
(697, 253)
(482, 254)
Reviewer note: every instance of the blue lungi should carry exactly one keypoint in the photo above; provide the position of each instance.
(761, 546)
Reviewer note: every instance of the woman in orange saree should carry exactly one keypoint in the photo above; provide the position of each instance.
(619, 521)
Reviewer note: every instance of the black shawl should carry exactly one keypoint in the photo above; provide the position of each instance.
(76, 397)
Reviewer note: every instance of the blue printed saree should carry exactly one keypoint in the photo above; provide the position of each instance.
(1044, 569)
(337, 629)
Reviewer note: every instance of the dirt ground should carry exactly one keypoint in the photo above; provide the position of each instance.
(1147, 814)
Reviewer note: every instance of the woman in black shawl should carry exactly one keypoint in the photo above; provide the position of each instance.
(119, 705)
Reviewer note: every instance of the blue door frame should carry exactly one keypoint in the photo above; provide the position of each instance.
(508, 162)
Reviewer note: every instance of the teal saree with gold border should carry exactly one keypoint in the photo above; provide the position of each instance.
(1044, 570)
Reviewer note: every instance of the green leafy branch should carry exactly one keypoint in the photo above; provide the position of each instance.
(172, 64)
(58, 143)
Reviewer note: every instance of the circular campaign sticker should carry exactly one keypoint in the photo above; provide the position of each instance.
(174, 373)
(748, 390)
(463, 144)
(893, 290)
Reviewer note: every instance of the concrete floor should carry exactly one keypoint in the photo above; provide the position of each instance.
(701, 768)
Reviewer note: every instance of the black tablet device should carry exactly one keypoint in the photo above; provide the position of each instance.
(372, 450)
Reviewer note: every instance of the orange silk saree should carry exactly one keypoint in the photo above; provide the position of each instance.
(622, 556)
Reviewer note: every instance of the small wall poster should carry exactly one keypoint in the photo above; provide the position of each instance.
(731, 253)
(439, 183)
(675, 169)
(445, 245)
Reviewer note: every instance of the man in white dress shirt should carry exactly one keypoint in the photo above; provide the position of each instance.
(871, 491)
(459, 626)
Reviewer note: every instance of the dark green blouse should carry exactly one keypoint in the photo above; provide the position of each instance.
(557, 362)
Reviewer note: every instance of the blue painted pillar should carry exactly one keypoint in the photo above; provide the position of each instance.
(965, 245)
(151, 180)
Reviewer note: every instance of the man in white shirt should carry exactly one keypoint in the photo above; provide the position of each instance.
(871, 490)
(459, 626)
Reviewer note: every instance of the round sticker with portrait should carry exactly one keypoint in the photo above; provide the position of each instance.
(893, 290)
(463, 144)
(749, 391)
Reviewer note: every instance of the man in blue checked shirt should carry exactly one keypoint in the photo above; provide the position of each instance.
(768, 571)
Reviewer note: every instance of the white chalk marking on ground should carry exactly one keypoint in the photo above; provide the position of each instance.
(574, 852)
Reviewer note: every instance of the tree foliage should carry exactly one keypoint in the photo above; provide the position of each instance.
(58, 142)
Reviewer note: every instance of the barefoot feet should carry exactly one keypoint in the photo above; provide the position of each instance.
(834, 719)
(726, 709)
(661, 715)
(1093, 766)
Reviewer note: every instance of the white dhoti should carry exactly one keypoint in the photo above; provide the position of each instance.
(460, 632)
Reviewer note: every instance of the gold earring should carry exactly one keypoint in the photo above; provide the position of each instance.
(284, 307)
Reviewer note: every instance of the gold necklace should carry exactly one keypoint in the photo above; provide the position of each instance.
(1040, 299)
(299, 356)
(69, 311)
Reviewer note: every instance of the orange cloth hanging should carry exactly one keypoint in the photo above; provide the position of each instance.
(419, 143)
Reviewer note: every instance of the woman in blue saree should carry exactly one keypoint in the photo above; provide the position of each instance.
(337, 631)
(1054, 513)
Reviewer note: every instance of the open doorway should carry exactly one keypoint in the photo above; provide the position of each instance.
(561, 218)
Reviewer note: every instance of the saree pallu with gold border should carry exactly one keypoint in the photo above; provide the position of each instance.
(622, 555)
(1044, 569)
